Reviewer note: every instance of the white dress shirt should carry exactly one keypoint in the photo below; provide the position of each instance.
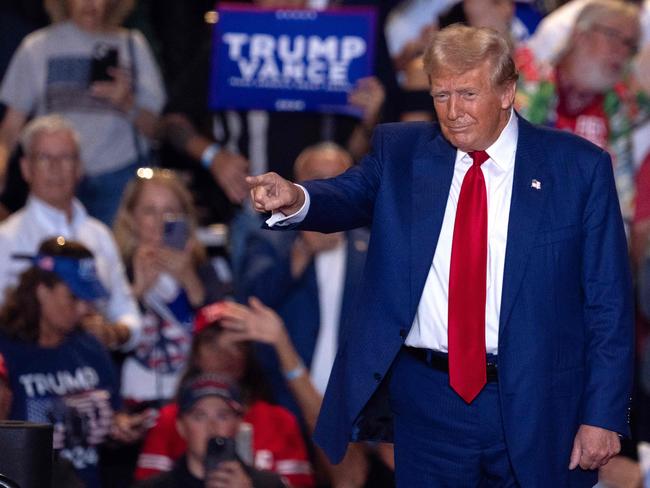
(23, 232)
(429, 328)
(330, 276)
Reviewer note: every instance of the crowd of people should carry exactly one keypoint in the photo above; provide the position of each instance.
(121, 323)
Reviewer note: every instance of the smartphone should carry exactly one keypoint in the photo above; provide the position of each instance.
(219, 449)
(176, 232)
(104, 58)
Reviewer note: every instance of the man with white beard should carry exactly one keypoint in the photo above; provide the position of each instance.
(584, 89)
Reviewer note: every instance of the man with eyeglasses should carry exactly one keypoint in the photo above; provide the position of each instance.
(52, 169)
(586, 89)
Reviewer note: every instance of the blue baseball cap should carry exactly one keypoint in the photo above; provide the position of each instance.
(79, 274)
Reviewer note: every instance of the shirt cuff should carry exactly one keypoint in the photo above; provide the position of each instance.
(281, 220)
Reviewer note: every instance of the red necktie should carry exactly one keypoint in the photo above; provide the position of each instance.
(467, 285)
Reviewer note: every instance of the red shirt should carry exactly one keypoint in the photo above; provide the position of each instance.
(278, 445)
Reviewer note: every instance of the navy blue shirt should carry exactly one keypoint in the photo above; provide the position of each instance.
(73, 387)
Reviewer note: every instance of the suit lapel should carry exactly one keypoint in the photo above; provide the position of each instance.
(525, 212)
(433, 169)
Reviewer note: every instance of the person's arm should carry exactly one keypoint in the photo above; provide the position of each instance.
(227, 168)
(336, 204)
(121, 307)
(608, 324)
(10, 127)
(137, 89)
(258, 322)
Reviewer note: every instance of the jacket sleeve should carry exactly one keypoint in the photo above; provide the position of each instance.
(608, 309)
(347, 201)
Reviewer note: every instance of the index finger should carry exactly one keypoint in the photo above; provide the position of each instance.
(265, 179)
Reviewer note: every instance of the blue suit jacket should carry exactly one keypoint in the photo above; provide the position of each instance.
(565, 336)
(267, 275)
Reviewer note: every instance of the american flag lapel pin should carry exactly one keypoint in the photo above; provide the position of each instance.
(536, 184)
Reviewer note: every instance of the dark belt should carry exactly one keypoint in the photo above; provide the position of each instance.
(440, 361)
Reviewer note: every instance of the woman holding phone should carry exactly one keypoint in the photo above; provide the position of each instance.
(171, 276)
(101, 77)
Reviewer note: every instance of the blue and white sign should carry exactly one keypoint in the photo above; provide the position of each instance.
(290, 60)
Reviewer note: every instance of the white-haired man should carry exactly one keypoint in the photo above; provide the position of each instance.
(52, 169)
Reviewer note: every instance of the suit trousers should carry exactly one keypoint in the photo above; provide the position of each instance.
(441, 441)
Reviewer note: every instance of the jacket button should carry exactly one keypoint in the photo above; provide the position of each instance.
(403, 333)
(377, 377)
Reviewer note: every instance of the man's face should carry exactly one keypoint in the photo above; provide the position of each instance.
(52, 168)
(209, 417)
(471, 112)
(601, 53)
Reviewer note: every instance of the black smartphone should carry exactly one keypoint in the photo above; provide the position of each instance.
(104, 58)
(176, 232)
(219, 449)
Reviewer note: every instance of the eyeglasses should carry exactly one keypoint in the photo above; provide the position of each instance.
(48, 161)
(631, 43)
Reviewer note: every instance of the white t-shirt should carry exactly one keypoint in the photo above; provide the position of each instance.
(50, 73)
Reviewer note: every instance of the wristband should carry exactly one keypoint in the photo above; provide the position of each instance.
(295, 373)
(208, 155)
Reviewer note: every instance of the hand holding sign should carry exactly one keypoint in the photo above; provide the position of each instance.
(272, 193)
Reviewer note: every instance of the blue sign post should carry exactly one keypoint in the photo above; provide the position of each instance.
(290, 60)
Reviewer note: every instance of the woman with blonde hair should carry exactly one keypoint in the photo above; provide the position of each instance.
(170, 276)
(101, 77)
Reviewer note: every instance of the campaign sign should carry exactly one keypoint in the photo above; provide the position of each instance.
(290, 60)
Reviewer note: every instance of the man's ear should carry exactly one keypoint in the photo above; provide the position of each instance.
(508, 95)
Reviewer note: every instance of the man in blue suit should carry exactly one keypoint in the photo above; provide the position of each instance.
(492, 339)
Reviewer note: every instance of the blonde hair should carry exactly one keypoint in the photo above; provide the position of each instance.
(124, 225)
(459, 48)
(116, 11)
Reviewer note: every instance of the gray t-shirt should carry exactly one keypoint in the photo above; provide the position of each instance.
(50, 73)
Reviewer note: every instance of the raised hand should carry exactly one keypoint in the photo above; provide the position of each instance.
(230, 170)
(256, 322)
(272, 193)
